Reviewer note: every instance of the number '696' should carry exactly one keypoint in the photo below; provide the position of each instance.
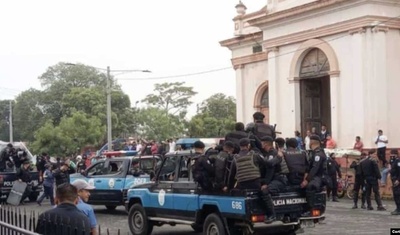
(236, 205)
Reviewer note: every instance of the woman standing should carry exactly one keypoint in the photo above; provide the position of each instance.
(48, 184)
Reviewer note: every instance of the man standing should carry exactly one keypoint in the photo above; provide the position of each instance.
(262, 129)
(249, 170)
(23, 175)
(83, 192)
(61, 175)
(323, 136)
(66, 213)
(359, 182)
(358, 145)
(236, 135)
(370, 172)
(395, 175)
(333, 172)
(307, 140)
(313, 182)
(202, 169)
(381, 141)
(48, 185)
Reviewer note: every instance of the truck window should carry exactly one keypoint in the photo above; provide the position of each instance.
(97, 169)
(183, 169)
(115, 168)
(167, 172)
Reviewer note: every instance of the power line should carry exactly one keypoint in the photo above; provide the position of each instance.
(230, 67)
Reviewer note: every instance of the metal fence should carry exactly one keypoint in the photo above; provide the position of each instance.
(14, 221)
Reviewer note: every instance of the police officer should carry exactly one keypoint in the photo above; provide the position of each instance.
(80, 164)
(6, 156)
(358, 182)
(277, 166)
(370, 172)
(202, 169)
(261, 129)
(333, 169)
(236, 135)
(313, 182)
(222, 166)
(249, 170)
(61, 175)
(23, 175)
(269, 153)
(395, 176)
(297, 163)
(255, 142)
(280, 143)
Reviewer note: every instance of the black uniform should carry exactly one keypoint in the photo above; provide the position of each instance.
(235, 137)
(333, 171)
(370, 172)
(279, 180)
(202, 171)
(298, 165)
(25, 176)
(395, 176)
(314, 177)
(81, 166)
(261, 130)
(270, 171)
(222, 167)
(61, 177)
(358, 184)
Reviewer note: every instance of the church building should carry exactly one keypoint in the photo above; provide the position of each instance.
(307, 63)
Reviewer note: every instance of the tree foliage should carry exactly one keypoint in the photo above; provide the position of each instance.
(173, 98)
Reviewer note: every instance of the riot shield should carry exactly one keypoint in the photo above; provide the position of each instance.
(18, 189)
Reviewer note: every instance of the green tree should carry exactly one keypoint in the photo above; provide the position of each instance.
(173, 98)
(216, 117)
(4, 118)
(69, 136)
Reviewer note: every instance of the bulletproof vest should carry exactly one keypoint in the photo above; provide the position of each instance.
(246, 170)
(261, 130)
(296, 161)
(220, 167)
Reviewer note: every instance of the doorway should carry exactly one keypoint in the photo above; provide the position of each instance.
(315, 103)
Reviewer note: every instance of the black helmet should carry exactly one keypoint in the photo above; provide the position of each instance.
(250, 127)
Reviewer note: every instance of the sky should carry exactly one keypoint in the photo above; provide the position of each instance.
(169, 38)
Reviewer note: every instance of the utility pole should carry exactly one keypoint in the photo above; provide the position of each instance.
(11, 124)
(109, 128)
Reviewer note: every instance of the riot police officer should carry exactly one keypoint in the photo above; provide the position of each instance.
(222, 166)
(6, 156)
(358, 183)
(261, 129)
(202, 169)
(236, 135)
(313, 182)
(333, 169)
(277, 166)
(269, 153)
(23, 175)
(297, 163)
(249, 170)
(370, 172)
(395, 176)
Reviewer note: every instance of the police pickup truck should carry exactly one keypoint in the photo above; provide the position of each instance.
(113, 177)
(7, 179)
(173, 198)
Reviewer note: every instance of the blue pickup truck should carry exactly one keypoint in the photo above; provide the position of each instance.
(173, 198)
(113, 177)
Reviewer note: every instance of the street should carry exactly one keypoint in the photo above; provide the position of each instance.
(340, 219)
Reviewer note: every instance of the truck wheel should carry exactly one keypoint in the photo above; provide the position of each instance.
(138, 222)
(197, 228)
(111, 208)
(213, 225)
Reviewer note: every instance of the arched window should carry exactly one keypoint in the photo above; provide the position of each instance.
(265, 99)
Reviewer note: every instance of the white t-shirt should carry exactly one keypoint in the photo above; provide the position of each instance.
(138, 147)
(307, 142)
(172, 147)
(381, 144)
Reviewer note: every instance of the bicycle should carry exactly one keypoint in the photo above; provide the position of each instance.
(345, 187)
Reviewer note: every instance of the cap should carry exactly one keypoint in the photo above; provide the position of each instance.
(244, 142)
(267, 139)
(199, 145)
(81, 184)
(258, 116)
(315, 137)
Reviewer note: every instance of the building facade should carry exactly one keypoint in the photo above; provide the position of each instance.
(305, 63)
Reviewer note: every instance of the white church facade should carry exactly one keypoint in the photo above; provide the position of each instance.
(305, 63)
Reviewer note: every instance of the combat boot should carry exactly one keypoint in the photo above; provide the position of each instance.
(269, 205)
(310, 197)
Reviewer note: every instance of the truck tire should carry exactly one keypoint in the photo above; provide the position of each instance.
(111, 208)
(213, 225)
(138, 222)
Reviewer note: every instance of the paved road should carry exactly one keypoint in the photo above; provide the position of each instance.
(340, 219)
